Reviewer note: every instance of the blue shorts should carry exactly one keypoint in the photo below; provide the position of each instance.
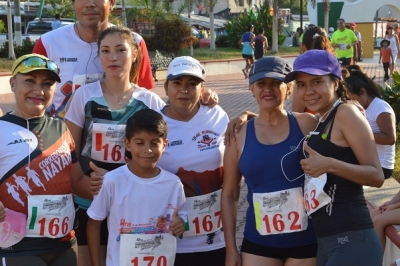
(358, 247)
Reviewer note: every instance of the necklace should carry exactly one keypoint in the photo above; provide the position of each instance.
(123, 96)
(77, 31)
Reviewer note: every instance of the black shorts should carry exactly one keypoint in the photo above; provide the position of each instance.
(213, 257)
(301, 252)
(258, 54)
(82, 218)
(344, 61)
(387, 172)
(247, 56)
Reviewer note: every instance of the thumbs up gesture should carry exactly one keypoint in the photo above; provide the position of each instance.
(96, 178)
(316, 164)
(177, 226)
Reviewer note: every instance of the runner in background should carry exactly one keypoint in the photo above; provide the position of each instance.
(260, 44)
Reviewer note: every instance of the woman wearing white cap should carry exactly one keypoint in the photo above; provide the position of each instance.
(37, 154)
(341, 155)
(194, 154)
(267, 153)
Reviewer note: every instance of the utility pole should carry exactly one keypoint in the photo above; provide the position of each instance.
(123, 15)
(17, 23)
(11, 54)
(190, 26)
(301, 14)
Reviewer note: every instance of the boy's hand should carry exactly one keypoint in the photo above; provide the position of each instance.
(177, 226)
(96, 178)
(2, 212)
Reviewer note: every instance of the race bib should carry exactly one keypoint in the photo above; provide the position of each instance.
(314, 194)
(280, 212)
(108, 143)
(204, 214)
(147, 250)
(50, 215)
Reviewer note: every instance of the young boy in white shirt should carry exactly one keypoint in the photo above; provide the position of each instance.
(139, 198)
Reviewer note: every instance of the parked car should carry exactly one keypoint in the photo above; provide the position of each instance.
(289, 37)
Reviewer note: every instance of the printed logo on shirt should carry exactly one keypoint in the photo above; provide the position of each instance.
(206, 139)
(65, 59)
(17, 141)
(343, 240)
(175, 143)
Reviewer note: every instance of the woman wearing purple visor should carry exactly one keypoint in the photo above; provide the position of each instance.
(340, 157)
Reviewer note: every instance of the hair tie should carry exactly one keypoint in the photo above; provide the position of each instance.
(315, 35)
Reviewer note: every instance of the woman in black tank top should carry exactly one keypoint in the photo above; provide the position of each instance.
(342, 149)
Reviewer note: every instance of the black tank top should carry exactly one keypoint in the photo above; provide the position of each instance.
(258, 44)
(348, 210)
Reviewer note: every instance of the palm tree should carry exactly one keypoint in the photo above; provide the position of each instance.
(327, 7)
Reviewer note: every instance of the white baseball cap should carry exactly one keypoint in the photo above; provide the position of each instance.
(331, 29)
(185, 65)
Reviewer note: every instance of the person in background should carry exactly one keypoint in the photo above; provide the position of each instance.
(296, 37)
(137, 193)
(331, 30)
(248, 50)
(260, 44)
(57, 22)
(358, 48)
(394, 44)
(343, 40)
(342, 155)
(379, 114)
(274, 182)
(76, 52)
(386, 57)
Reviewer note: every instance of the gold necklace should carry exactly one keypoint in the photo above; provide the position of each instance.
(123, 96)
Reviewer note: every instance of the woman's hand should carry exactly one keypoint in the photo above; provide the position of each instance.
(316, 164)
(233, 258)
(96, 178)
(2, 212)
(234, 126)
(209, 98)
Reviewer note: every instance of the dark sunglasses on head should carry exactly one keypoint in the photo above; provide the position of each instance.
(35, 62)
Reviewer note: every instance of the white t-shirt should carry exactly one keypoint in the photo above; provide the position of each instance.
(134, 204)
(90, 111)
(195, 153)
(385, 152)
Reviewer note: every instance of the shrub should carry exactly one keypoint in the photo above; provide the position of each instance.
(261, 17)
(171, 35)
(222, 41)
(25, 48)
(391, 94)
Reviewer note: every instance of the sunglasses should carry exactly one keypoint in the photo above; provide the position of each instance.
(35, 62)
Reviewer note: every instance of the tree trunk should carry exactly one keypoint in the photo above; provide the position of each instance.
(212, 32)
(275, 26)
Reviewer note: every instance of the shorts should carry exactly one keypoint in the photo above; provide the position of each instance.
(258, 54)
(387, 172)
(344, 61)
(357, 247)
(68, 257)
(80, 232)
(299, 252)
(213, 257)
(248, 56)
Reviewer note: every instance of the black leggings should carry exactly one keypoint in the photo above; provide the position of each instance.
(65, 258)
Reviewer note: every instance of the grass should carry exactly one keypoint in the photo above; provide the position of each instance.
(5, 64)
